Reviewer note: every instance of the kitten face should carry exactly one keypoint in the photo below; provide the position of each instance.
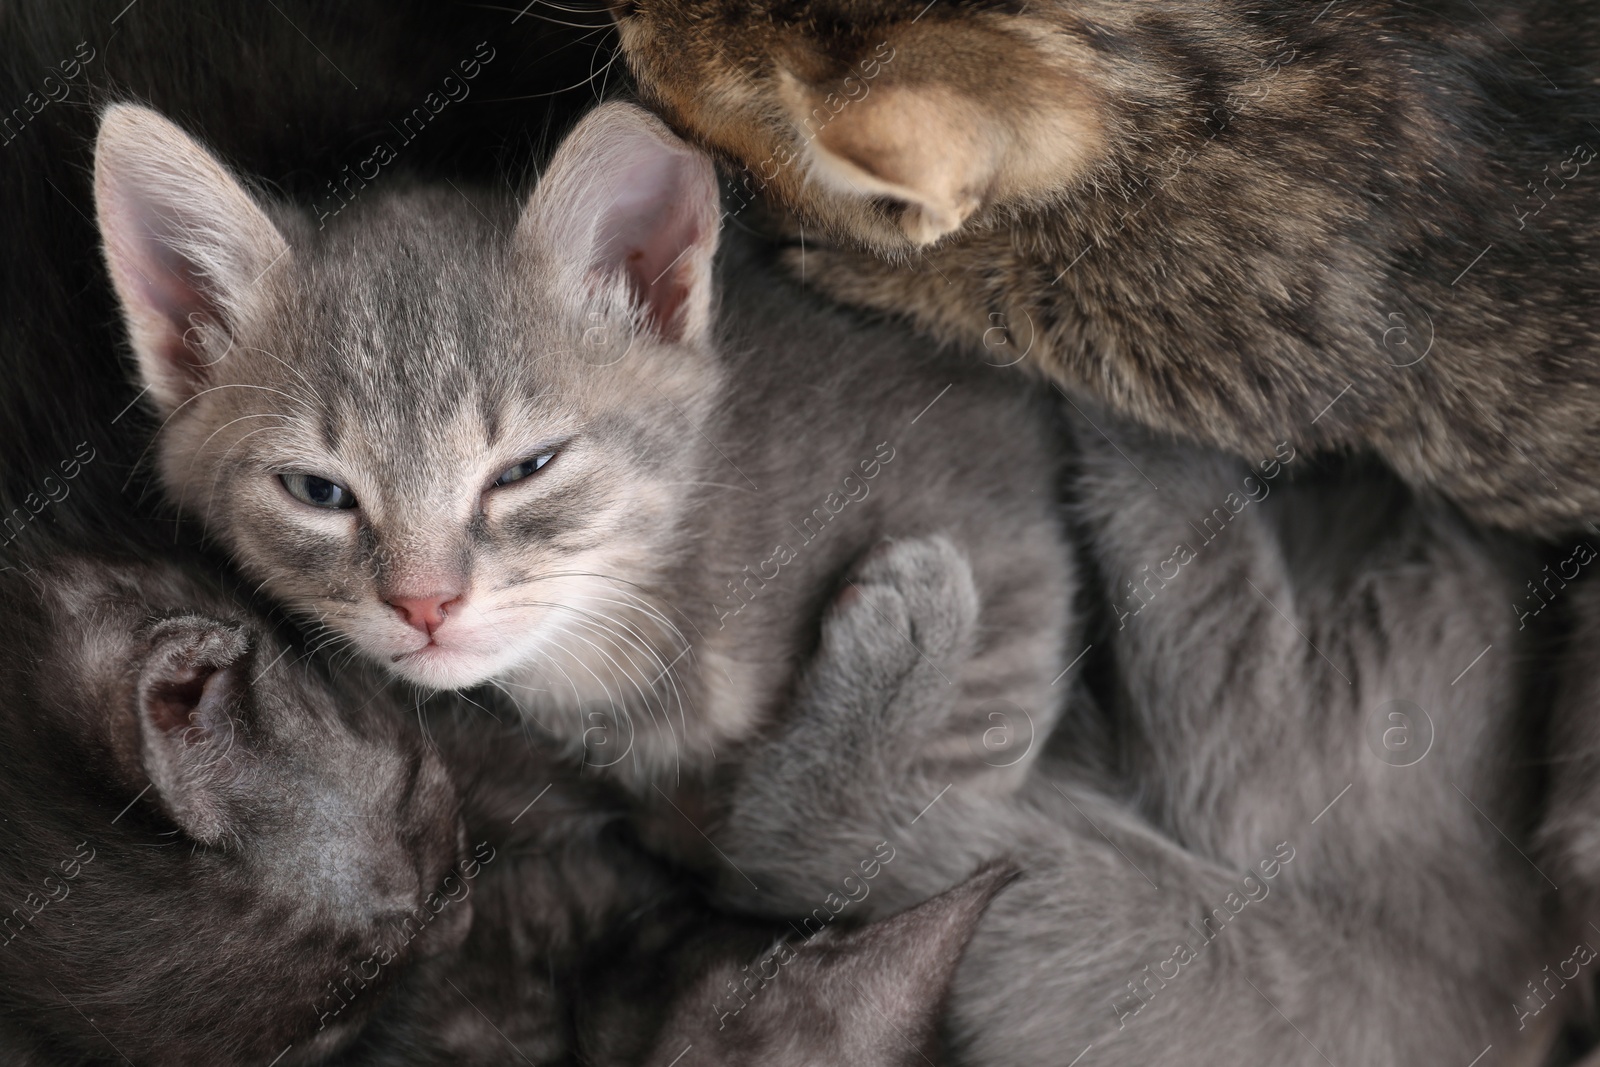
(422, 424)
(451, 439)
(730, 994)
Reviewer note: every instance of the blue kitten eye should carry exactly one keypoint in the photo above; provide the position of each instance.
(526, 468)
(318, 492)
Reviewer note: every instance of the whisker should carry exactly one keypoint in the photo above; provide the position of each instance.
(204, 392)
(648, 703)
(211, 497)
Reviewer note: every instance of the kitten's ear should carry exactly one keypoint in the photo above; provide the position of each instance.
(926, 146)
(184, 243)
(902, 967)
(191, 743)
(964, 118)
(626, 202)
(871, 997)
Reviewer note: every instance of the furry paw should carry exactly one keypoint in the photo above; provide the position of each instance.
(909, 608)
(928, 583)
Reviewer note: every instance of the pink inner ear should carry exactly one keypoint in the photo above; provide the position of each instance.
(660, 292)
(655, 233)
(176, 291)
(170, 287)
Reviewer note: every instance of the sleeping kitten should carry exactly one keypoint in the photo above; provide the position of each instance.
(1316, 853)
(201, 833)
(585, 949)
(1357, 224)
(533, 449)
(870, 996)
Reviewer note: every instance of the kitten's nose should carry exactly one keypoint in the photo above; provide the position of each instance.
(426, 613)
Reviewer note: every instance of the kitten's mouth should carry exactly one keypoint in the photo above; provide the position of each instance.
(441, 666)
(432, 645)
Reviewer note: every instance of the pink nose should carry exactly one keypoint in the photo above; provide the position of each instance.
(426, 613)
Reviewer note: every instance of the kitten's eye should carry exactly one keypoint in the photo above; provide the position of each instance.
(525, 469)
(318, 492)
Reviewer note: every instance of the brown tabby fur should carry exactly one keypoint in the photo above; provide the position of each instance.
(1352, 225)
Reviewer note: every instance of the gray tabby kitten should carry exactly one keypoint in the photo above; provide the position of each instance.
(1321, 715)
(532, 449)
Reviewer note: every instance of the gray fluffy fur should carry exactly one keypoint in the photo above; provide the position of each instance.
(408, 336)
(1402, 925)
(626, 598)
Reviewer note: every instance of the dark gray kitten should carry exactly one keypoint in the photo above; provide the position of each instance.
(532, 449)
(583, 946)
(201, 832)
(1316, 858)
(871, 995)
(215, 855)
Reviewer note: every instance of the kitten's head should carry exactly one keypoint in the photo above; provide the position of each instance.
(206, 836)
(453, 434)
(893, 124)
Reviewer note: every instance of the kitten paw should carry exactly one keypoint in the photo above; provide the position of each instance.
(908, 603)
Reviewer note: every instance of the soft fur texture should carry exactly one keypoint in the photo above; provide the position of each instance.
(871, 995)
(1350, 225)
(215, 855)
(203, 832)
(704, 474)
(1337, 876)
(1407, 893)
(584, 948)
(1569, 838)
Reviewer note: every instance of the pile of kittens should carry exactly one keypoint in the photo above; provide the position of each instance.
(920, 533)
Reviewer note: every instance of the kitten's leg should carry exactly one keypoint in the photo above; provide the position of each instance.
(846, 763)
(1281, 934)
(837, 821)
